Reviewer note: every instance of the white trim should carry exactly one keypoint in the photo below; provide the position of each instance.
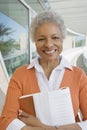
(75, 33)
(5, 76)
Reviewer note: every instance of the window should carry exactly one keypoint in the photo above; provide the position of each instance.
(14, 41)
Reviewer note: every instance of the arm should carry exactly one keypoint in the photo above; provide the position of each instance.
(20, 84)
(11, 107)
(83, 101)
(34, 124)
(83, 96)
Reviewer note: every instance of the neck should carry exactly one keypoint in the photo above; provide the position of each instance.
(48, 66)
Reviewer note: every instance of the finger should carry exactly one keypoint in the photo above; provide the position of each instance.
(22, 113)
(23, 119)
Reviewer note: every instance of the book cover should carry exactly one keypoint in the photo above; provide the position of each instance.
(27, 104)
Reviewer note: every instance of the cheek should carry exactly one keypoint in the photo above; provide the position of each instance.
(38, 48)
(60, 44)
(60, 47)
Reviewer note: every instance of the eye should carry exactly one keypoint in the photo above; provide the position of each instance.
(40, 39)
(56, 38)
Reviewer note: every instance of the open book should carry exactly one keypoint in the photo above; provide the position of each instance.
(53, 108)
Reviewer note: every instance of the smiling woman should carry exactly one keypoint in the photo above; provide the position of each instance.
(48, 72)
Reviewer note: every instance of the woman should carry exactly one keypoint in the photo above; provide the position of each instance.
(48, 72)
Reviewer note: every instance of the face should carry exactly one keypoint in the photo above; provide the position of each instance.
(48, 41)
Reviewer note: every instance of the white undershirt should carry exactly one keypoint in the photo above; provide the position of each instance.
(46, 85)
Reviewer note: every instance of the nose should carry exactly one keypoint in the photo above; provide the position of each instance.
(49, 43)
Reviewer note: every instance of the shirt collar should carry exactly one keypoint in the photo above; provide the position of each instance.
(63, 64)
(35, 64)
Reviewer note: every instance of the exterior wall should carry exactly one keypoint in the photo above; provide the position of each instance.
(86, 40)
(67, 43)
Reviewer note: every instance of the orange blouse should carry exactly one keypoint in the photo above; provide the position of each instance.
(24, 82)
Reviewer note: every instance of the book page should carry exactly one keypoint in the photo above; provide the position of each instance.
(42, 108)
(54, 108)
(61, 107)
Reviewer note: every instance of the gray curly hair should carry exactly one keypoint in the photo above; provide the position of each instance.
(46, 17)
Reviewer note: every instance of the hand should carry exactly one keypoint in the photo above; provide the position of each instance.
(34, 124)
(29, 119)
(64, 127)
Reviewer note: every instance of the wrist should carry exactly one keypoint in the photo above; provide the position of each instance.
(23, 128)
(26, 127)
(46, 127)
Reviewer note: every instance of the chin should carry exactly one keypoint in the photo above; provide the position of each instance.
(52, 59)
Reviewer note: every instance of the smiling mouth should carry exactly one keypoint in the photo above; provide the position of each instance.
(50, 52)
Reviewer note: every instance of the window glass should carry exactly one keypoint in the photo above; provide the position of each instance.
(14, 34)
(79, 41)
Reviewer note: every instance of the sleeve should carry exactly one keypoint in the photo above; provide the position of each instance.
(83, 96)
(11, 107)
(16, 124)
(83, 125)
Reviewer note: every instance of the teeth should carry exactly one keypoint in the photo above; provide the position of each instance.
(49, 52)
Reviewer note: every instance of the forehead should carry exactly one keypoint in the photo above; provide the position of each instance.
(48, 28)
